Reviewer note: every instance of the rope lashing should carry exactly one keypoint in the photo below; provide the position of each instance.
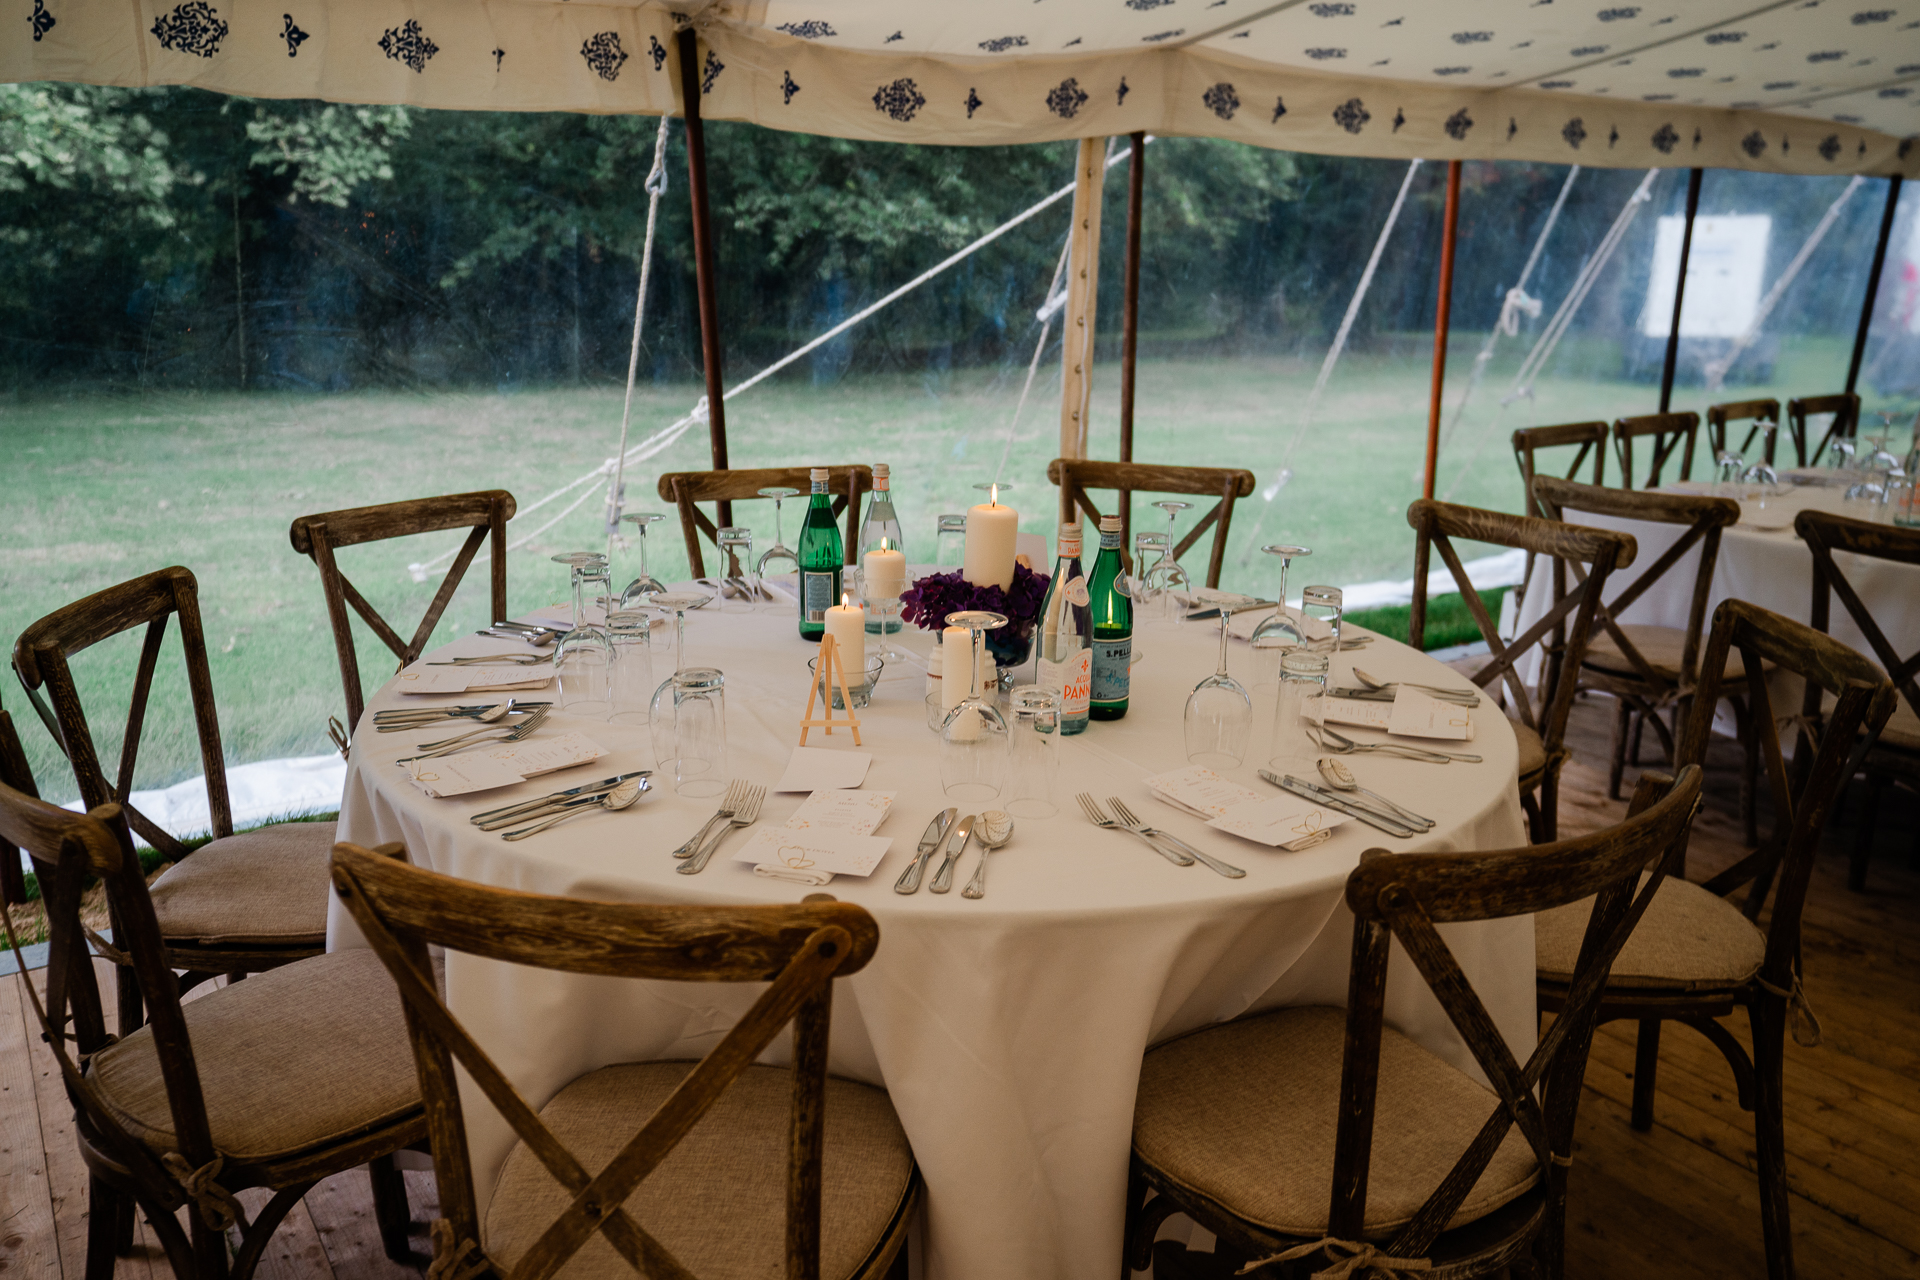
(1801, 1019)
(1351, 1260)
(218, 1209)
(655, 186)
(453, 1261)
(1516, 305)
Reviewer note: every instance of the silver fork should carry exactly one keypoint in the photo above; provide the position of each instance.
(1098, 817)
(736, 792)
(1206, 860)
(744, 816)
(1338, 743)
(514, 734)
(532, 716)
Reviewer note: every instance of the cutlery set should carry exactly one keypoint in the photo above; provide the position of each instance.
(573, 799)
(994, 829)
(1167, 845)
(478, 737)
(1388, 818)
(740, 807)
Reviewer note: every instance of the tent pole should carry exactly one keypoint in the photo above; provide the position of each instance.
(1680, 291)
(1441, 314)
(1873, 281)
(703, 255)
(1083, 285)
(1130, 321)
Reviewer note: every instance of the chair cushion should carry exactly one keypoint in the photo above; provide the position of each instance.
(1688, 940)
(265, 887)
(718, 1201)
(290, 1059)
(1662, 647)
(1533, 752)
(1245, 1113)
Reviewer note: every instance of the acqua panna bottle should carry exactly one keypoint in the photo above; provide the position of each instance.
(1063, 654)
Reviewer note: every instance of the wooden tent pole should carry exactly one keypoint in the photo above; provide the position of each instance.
(1441, 314)
(1130, 320)
(1873, 282)
(1083, 286)
(703, 267)
(1680, 291)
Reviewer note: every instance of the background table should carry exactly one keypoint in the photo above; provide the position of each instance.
(1009, 1030)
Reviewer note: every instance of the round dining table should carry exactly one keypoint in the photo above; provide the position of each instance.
(1008, 1030)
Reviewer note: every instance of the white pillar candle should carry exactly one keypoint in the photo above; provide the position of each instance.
(956, 664)
(991, 531)
(847, 624)
(886, 574)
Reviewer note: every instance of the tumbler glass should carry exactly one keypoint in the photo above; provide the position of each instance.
(1303, 677)
(632, 634)
(950, 541)
(1324, 606)
(699, 733)
(738, 586)
(1035, 762)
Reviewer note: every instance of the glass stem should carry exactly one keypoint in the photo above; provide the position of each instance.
(1222, 673)
(679, 641)
(579, 597)
(973, 680)
(644, 575)
(1286, 562)
(779, 533)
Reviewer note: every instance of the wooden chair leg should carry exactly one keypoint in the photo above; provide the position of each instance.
(1646, 1067)
(1768, 1019)
(1639, 731)
(123, 1226)
(1750, 782)
(1532, 808)
(103, 1228)
(1863, 836)
(1621, 713)
(129, 1007)
(390, 1209)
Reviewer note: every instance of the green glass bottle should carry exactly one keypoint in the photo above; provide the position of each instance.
(821, 560)
(1112, 611)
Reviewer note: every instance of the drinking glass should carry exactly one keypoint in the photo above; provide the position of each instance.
(631, 631)
(1219, 715)
(1728, 468)
(644, 585)
(1902, 507)
(1303, 677)
(660, 710)
(779, 551)
(699, 732)
(1279, 631)
(1035, 763)
(950, 541)
(973, 738)
(1842, 451)
(583, 657)
(1323, 605)
(736, 545)
(1170, 580)
(859, 683)
(1143, 584)
(574, 559)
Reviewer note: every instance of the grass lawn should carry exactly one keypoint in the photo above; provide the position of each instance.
(103, 487)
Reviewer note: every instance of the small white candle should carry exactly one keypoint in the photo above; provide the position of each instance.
(886, 574)
(991, 531)
(956, 664)
(847, 624)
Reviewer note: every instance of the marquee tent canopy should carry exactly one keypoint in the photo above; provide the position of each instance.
(1794, 86)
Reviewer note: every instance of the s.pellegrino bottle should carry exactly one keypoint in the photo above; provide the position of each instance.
(821, 560)
(1111, 611)
(881, 522)
(1063, 654)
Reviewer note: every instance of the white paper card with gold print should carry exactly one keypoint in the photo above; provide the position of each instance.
(857, 813)
(1360, 713)
(503, 765)
(1284, 822)
(1419, 715)
(814, 852)
(1199, 791)
(424, 679)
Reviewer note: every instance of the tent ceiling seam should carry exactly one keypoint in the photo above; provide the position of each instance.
(1616, 55)
(1259, 16)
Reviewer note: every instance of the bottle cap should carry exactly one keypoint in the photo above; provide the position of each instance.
(1109, 524)
(1070, 529)
(817, 475)
(880, 471)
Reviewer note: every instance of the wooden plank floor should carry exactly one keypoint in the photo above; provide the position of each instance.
(1678, 1201)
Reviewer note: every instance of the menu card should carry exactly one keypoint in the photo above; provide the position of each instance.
(1285, 822)
(420, 678)
(1420, 715)
(504, 764)
(1199, 791)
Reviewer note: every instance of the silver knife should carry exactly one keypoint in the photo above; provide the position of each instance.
(1232, 607)
(558, 797)
(909, 880)
(943, 878)
(1379, 821)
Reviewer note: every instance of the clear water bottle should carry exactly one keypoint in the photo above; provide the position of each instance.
(1063, 647)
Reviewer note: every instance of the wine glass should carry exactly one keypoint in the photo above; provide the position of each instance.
(1169, 577)
(660, 710)
(1728, 467)
(779, 551)
(950, 541)
(1219, 715)
(644, 586)
(1278, 631)
(631, 631)
(1843, 450)
(736, 544)
(973, 738)
(1762, 473)
(574, 559)
(583, 658)
(1149, 550)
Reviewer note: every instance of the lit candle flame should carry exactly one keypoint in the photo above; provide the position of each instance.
(993, 495)
(846, 599)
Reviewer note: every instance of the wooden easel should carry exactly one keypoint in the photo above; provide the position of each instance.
(828, 671)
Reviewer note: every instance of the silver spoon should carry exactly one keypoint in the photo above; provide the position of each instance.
(996, 828)
(618, 798)
(1341, 778)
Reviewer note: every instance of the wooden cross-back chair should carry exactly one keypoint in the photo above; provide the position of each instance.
(484, 513)
(1845, 408)
(237, 905)
(1649, 669)
(15, 773)
(1720, 416)
(1698, 955)
(1239, 1125)
(1895, 754)
(1541, 722)
(277, 1082)
(1528, 441)
(1229, 484)
(1668, 431)
(847, 482)
(572, 1189)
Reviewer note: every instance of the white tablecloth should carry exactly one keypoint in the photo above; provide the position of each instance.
(1009, 1031)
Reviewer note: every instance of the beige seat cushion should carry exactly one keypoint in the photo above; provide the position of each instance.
(1688, 940)
(1533, 752)
(289, 1060)
(1244, 1113)
(265, 887)
(1662, 647)
(718, 1201)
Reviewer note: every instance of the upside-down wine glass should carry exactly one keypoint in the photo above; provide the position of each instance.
(1278, 631)
(973, 738)
(660, 710)
(583, 658)
(779, 551)
(1149, 550)
(644, 586)
(1219, 714)
(736, 548)
(1762, 473)
(1170, 577)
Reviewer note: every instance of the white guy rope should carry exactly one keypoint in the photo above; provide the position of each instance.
(1056, 299)
(1717, 369)
(1326, 366)
(656, 186)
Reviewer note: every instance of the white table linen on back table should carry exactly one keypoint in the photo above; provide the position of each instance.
(1009, 1031)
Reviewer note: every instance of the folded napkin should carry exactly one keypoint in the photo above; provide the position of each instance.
(773, 871)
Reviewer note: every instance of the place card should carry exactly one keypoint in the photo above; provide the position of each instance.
(1419, 715)
(857, 813)
(1200, 791)
(1358, 712)
(1284, 822)
(788, 854)
(824, 769)
(474, 679)
(504, 764)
